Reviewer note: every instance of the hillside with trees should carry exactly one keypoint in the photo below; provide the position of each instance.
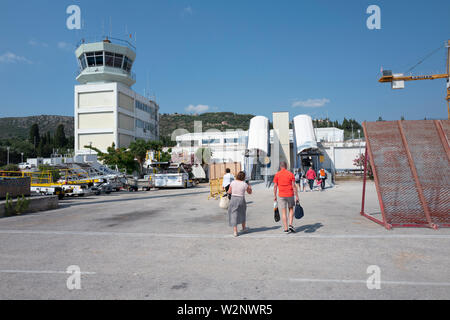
(35, 144)
(221, 121)
(347, 125)
(18, 127)
(40, 136)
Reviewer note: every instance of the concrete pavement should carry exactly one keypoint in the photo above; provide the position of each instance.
(176, 244)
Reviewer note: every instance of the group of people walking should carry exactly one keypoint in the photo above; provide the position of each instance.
(285, 191)
(310, 178)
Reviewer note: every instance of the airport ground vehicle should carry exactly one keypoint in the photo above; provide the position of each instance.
(50, 190)
(134, 184)
(24, 166)
(171, 175)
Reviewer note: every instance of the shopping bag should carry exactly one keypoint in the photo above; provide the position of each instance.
(224, 202)
(276, 213)
(298, 212)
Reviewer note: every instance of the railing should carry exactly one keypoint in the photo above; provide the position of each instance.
(46, 177)
(131, 74)
(103, 38)
(35, 177)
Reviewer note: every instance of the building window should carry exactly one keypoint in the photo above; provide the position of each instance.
(82, 62)
(210, 141)
(99, 58)
(145, 126)
(147, 108)
(94, 59)
(127, 63)
(231, 140)
(109, 59)
(118, 58)
(90, 57)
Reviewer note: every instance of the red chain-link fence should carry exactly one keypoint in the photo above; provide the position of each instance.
(411, 166)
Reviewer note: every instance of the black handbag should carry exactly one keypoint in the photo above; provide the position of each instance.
(298, 211)
(276, 214)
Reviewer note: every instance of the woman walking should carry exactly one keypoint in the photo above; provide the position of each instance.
(304, 181)
(298, 179)
(237, 209)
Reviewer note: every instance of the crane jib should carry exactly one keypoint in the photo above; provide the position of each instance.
(421, 77)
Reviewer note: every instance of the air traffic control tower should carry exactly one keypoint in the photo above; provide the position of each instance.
(107, 110)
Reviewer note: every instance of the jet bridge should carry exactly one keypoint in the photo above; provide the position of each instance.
(258, 147)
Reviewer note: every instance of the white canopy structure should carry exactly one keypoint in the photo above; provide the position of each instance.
(258, 134)
(304, 136)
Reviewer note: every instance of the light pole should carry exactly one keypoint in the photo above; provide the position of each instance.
(7, 158)
(359, 138)
(21, 156)
(352, 132)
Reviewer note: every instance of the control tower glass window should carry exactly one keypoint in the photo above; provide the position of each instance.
(127, 64)
(82, 62)
(90, 57)
(118, 58)
(94, 58)
(99, 58)
(109, 59)
(105, 58)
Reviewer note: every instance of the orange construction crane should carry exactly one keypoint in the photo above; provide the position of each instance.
(398, 80)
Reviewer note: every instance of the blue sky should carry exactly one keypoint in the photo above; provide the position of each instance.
(315, 57)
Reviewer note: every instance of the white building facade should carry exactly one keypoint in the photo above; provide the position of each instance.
(330, 134)
(338, 156)
(107, 111)
(228, 146)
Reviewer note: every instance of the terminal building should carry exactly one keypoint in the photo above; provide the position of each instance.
(260, 149)
(107, 110)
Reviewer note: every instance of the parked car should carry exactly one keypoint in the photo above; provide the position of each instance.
(25, 166)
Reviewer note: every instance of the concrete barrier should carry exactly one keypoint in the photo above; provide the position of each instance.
(15, 187)
(40, 203)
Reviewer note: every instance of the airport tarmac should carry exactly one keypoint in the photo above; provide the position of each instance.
(176, 244)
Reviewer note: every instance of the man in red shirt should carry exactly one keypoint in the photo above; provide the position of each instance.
(284, 183)
(311, 176)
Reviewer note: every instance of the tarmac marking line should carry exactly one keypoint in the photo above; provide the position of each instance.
(222, 236)
(402, 283)
(43, 272)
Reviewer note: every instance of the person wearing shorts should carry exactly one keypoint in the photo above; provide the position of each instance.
(284, 190)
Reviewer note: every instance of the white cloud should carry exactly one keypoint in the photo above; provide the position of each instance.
(310, 103)
(10, 57)
(63, 45)
(188, 11)
(200, 108)
(36, 43)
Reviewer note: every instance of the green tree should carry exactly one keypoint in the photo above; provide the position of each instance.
(166, 156)
(45, 168)
(34, 136)
(60, 137)
(139, 149)
(120, 157)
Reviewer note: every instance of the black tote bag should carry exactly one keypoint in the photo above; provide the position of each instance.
(299, 213)
(276, 214)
